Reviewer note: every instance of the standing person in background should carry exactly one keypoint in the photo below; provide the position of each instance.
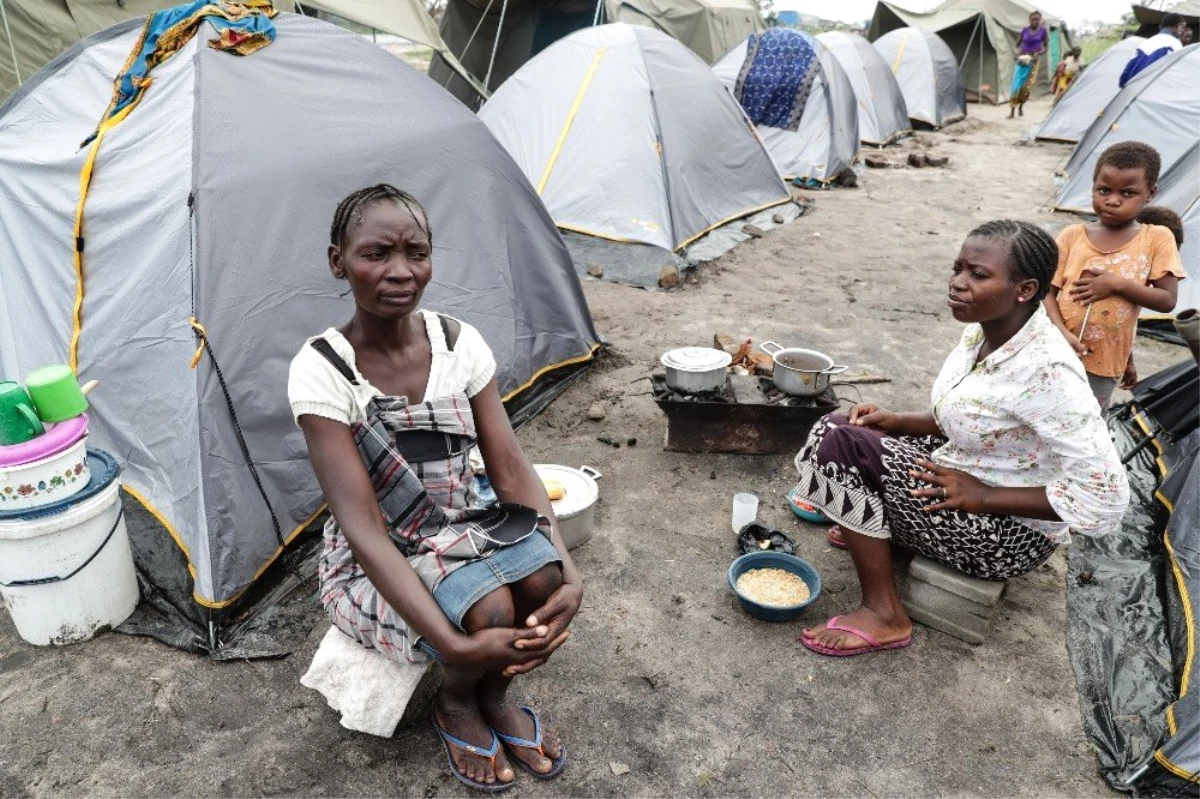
(1068, 69)
(1165, 42)
(1111, 268)
(1030, 46)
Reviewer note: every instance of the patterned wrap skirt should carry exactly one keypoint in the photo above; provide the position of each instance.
(859, 478)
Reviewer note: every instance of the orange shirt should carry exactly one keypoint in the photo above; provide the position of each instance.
(1112, 324)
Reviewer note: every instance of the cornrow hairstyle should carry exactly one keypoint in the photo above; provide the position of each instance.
(1032, 253)
(1162, 215)
(350, 210)
(1131, 155)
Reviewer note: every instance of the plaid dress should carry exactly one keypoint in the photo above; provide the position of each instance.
(417, 459)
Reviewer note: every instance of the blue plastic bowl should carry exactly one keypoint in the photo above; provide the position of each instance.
(813, 515)
(775, 560)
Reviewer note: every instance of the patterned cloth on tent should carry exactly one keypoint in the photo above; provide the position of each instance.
(245, 28)
(776, 78)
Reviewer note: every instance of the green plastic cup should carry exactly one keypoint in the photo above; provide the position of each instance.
(18, 421)
(56, 394)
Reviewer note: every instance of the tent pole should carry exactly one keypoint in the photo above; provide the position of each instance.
(487, 79)
(980, 90)
(596, 16)
(11, 47)
(967, 49)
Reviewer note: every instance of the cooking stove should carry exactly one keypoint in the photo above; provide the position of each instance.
(748, 416)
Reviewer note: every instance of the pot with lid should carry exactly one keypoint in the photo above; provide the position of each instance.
(800, 372)
(576, 508)
(696, 370)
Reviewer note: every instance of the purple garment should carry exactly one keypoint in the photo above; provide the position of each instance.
(1032, 42)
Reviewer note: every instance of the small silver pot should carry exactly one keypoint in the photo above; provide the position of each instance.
(696, 370)
(800, 373)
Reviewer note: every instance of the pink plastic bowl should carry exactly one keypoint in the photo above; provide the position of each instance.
(57, 438)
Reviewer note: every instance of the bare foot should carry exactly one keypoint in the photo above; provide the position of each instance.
(509, 719)
(465, 721)
(884, 629)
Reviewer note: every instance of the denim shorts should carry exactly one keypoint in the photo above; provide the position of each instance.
(468, 584)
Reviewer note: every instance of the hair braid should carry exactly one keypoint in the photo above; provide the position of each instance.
(1032, 252)
(349, 211)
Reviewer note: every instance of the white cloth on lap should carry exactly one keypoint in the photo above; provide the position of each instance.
(369, 690)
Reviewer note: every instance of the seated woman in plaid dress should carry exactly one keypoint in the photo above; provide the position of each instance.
(415, 565)
(1013, 455)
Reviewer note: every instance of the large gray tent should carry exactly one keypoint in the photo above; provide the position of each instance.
(882, 114)
(927, 72)
(1089, 94)
(211, 202)
(1159, 106)
(825, 141)
(628, 137)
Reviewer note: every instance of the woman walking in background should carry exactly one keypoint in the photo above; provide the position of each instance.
(1030, 46)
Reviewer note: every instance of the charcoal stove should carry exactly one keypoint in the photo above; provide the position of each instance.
(748, 416)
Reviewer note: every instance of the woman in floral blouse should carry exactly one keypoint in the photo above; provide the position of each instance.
(1013, 455)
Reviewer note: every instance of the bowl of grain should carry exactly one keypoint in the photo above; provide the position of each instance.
(773, 586)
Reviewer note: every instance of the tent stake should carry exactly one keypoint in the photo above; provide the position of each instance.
(11, 47)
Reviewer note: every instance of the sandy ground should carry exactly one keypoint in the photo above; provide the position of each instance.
(665, 675)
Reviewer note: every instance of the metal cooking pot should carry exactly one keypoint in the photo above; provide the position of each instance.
(576, 510)
(800, 373)
(696, 370)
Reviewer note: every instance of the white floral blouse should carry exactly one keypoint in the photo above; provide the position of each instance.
(1025, 417)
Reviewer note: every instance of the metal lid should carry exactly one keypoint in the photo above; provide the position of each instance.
(696, 359)
(580, 490)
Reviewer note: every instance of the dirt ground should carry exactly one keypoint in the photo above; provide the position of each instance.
(665, 676)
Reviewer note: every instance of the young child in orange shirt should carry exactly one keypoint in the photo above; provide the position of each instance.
(1109, 269)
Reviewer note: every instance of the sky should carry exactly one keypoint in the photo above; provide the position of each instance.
(1073, 11)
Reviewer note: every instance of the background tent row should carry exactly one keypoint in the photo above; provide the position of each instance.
(183, 221)
(982, 34)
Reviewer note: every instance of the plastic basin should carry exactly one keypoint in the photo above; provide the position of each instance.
(805, 511)
(775, 560)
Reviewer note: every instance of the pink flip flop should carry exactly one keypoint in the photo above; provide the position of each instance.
(836, 541)
(872, 645)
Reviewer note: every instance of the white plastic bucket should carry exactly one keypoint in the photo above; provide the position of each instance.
(68, 574)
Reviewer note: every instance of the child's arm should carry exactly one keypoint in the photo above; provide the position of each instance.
(1051, 306)
(1130, 378)
(1159, 296)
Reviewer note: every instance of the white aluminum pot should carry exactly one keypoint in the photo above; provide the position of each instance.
(576, 510)
(800, 373)
(696, 370)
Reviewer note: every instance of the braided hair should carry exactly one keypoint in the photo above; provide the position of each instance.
(1032, 253)
(350, 210)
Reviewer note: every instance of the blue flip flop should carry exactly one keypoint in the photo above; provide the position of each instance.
(490, 753)
(511, 740)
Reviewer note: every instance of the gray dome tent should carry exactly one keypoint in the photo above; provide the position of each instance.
(1179, 190)
(1089, 94)
(882, 114)
(825, 140)
(208, 213)
(927, 72)
(628, 137)
(1160, 107)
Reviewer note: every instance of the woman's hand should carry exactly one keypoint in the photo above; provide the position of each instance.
(950, 488)
(868, 414)
(550, 621)
(1080, 348)
(495, 649)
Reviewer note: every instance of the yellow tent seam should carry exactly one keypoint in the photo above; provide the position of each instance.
(899, 54)
(1174, 769)
(730, 218)
(566, 128)
(546, 369)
